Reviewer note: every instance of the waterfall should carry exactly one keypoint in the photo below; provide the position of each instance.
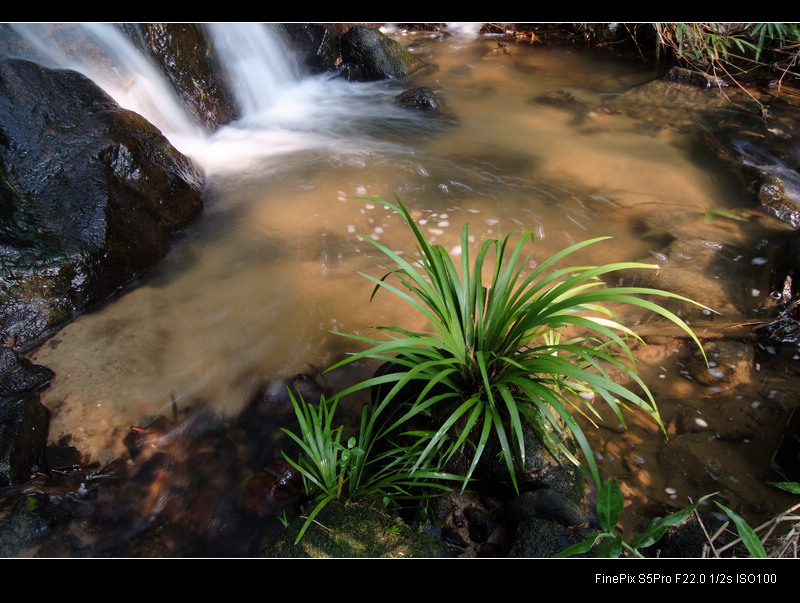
(253, 60)
(281, 112)
(114, 64)
(250, 55)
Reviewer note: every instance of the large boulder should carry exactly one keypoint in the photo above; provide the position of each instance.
(368, 54)
(91, 196)
(314, 46)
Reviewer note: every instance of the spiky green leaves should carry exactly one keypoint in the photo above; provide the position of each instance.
(496, 353)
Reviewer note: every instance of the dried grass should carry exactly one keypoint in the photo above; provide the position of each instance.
(780, 536)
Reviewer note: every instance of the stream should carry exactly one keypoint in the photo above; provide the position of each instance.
(258, 287)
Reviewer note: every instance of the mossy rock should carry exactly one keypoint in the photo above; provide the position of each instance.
(354, 531)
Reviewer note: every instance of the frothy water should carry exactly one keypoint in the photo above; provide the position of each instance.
(102, 53)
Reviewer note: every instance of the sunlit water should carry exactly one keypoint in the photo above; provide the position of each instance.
(258, 286)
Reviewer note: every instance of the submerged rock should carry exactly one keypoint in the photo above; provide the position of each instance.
(419, 98)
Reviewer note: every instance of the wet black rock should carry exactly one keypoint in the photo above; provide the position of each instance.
(23, 438)
(185, 55)
(419, 98)
(694, 77)
(539, 537)
(29, 522)
(368, 54)
(314, 46)
(786, 460)
(91, 197)
(546, 504)
(26, 377)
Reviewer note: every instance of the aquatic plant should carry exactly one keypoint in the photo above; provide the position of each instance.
(608, 542)
(353, 472)
(529, 345)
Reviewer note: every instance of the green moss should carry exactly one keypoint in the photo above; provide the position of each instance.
(355, 531)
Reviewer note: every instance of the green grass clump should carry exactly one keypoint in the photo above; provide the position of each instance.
(496, 353)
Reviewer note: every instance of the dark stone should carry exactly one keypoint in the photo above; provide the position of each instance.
(24, 426)
(771, 192)
(9, 360)
(28, 377)
(62, 458)
(31, 521)
(368, 54)
(315, 46)
(693, 78)
(274, 489)
(565, 101)
(187, 60)
(419, 98)
(786, 460)
(689, 540)
(546, 504)
(785, 272)
(481, 524)
(543, 538)
(91, 197)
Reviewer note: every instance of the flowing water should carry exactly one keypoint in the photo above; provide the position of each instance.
(259, 285)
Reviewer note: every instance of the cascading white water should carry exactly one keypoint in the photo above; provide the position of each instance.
(125, 74)
(254, 62)
(282, 110)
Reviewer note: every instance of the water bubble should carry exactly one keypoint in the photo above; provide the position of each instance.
(758, 261)
(700, 422)
(713, 464)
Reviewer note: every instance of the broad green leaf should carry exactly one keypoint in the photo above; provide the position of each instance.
(791, 487)
(610, 505)
(579, 548)
(746, 533)
(609, 547)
